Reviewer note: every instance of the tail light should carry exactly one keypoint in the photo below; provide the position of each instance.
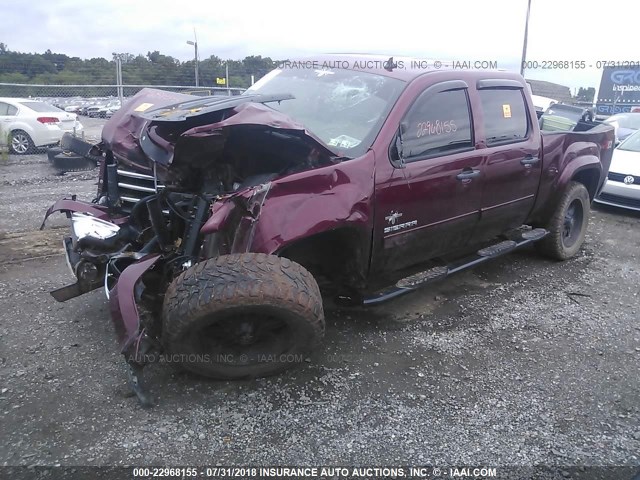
(47, 120)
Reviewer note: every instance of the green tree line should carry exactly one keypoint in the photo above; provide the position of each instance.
(153, 68)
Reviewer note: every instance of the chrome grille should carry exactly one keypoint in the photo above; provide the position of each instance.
(134, 186)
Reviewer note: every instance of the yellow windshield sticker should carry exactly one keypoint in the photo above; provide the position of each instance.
(143, 106)
(506, 110)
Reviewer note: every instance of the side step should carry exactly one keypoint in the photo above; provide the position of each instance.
(411, 283)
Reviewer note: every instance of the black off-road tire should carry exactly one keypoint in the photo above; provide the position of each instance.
(205, 305)
(566, 236)
(52, 152)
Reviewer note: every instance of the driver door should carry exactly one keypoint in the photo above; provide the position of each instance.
(429, 203)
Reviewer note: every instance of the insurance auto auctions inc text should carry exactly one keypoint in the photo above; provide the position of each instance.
(389, 64)
(376, 472)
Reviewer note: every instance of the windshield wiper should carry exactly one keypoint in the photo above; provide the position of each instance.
(276, 97)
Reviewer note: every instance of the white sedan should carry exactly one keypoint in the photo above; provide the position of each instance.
(622, 188)
(30, 124)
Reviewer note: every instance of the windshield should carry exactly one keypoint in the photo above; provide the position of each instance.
(344, 108)
(631, 121)
(632, 143)
(565, 111)
(40, 107)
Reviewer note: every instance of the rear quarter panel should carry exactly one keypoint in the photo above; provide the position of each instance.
(565, 155)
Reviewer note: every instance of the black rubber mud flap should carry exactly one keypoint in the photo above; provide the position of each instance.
(138, 385)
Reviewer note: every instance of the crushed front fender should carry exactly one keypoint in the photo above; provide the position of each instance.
(124, 310)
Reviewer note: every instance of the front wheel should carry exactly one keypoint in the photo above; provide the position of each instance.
(244, 315)
(568, 224)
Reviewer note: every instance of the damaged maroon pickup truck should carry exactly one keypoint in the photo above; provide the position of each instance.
(216, 219)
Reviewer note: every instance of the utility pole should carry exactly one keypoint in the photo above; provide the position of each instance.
(526, 35)
(120, 91)
(226, 77)
(195, 48)
(197, 75)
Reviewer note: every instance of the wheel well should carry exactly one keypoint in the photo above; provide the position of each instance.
(589, 178)
(336, 255)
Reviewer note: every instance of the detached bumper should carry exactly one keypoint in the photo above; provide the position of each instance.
(92, 271)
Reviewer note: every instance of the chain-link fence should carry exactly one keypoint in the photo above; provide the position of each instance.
(83, 96)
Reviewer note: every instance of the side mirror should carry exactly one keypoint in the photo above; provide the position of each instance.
(395, 152)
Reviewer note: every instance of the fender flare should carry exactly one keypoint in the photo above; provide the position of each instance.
(572, 168)
(577, 165)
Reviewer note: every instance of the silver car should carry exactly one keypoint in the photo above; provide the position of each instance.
(622, 188)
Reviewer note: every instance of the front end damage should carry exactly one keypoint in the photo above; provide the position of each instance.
(179, 183)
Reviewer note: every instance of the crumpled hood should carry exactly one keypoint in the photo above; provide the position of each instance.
(153, 121)
(121, 133)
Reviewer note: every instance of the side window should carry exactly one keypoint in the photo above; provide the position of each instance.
(438, 123)
(11, 110)
(505, 115)
(4, 108)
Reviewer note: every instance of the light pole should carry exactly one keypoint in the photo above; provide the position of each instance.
(526, 34)
(118, 59)
(195, 46)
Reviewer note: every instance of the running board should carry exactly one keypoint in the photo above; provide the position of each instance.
(413, 282)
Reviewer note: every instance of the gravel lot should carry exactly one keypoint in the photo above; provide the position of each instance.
(522, 361)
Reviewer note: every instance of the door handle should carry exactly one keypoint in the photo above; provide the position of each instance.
(468, 174)
(529, 161)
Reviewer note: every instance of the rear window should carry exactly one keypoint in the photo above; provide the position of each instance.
(505, 115)
(40, 107)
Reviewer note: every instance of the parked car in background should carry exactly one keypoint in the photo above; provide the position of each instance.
(561, 117)
(73, 108)
(624, 124)
(622, 188)
(93, 110)
(32, 124)
(84, 109)
(108, 110)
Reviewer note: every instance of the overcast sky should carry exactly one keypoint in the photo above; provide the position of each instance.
(440, 29)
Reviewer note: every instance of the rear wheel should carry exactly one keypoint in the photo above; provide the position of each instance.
(246, 315)
(568, 225)
(21, 143)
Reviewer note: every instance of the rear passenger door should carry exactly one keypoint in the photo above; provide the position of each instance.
(7, 115)
(512, 164)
